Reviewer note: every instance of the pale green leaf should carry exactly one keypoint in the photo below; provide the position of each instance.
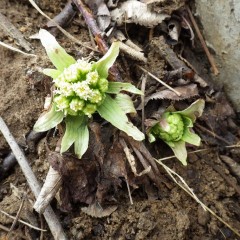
(103, 65)
(53, 73)
(125, 102)
(151, 137)
(111, 111)
(191, 137)
(59, 57)
(48, 120)
(187, 121)
(73, 124)
(180, 151)
(116, 87)
(82, 139)
(194, 110)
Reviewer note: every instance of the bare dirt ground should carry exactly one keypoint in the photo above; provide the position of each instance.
(165, 213)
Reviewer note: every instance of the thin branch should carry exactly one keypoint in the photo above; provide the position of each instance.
(60, 28)
(102, 44)
(209, 56)
(12, 31)
(18, 215)
(211, 133)
(4, 228)
(163, 83)
(21, 221)
(16, 49)
(49, 215)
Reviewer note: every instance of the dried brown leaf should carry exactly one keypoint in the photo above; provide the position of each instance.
(95, 210)
(133, 11)
(186, 92)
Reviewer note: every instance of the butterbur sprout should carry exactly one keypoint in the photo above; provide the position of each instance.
(174, 128)
(81, 89)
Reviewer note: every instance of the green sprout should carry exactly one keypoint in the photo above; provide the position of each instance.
(81, 89)
(174, 128)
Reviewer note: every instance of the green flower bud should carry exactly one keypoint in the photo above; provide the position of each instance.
(92, 78)
(59, 80)
(83, 67)
(71, 112)
(170, 127)
(62, 102)
(71, 74)
(102, 84)
(89, 109)
(82, 89)
(65, 89)
(76, 104)
(96, 96)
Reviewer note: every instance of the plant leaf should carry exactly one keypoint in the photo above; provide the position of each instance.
(49, 120)
(73, 124)
(187, 121)
(194, 110)
(82, 139)
(103, 65)
(191, 137)
(59, 57)
(112, 112)
(180, 151)
(53, 73)
(117, 87)
(151, 137)
(125, 103)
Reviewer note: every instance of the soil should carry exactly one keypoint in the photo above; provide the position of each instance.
(166, 213)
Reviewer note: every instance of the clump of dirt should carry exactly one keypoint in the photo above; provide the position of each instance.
(165, 213)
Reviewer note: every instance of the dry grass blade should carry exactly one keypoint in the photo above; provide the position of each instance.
(23, 222)
(16, 49)
(209, 56)
(156, 78)
(182, 184)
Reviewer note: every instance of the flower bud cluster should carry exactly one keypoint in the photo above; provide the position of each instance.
(79, 89)
(170, 128)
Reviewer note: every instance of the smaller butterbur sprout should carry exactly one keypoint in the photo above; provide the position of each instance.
(81, 89)
(174, 128)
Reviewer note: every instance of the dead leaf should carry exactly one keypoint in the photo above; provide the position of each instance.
(133, 11)
(95, 210)
(113, 169)
(186, 92)
(79, 181)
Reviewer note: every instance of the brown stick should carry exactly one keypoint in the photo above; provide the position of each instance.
(63, 19)
(209, 56)
(211, 133)
(51, 218)
(12, 31)
(102, 45)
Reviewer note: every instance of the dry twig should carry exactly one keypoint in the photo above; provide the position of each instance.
(49, 215)
(209, 56)
(21, 221)
(92, 24)
(12, 31)
(157, 79)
